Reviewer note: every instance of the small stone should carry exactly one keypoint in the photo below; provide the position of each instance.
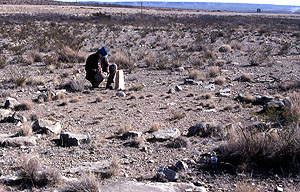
(42, 97)
(203, 129)
(46, 125)
(166, 174)
(9, 141)
(178, 88)
(167, 134)
(120, 94)
(17, 117)
(210, 87)
(224, 93)
(179, 69)
(71, 139)
(279, 189)
(11, 103)
(188, 81)
(171, 91)
(132, 134)
(5, 113)
(180, 165)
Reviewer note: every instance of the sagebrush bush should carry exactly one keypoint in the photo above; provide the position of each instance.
(34, 56)
(274, 149)
(68, 55)
(87, 183)
(3, 62)
(214, 72)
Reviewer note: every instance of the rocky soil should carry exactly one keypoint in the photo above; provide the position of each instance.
(190, 80)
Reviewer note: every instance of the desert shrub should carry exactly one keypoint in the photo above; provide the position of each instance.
(245, 77)
(220, 80)
(194, 74)
(20, 81)
(274, 149)
(289, 85)
(245, 187)
(3, 62)
(99, 99)
(196, 62)
(220, 62)
(213, 72)
(26, 130)
(136, 87)
(124, 130)
(23, 106)
(36, 80)
(260, 55)
(34, 56)
(155, 127)
(87, 183)
(179, 142)
(225, 48)
(284, 47)
(51, 60)
(68, 55)
(101, 15)
(32, 173)
(149, 61)
(113, 169)
(123, 61)
(236, 45)
(177, 115)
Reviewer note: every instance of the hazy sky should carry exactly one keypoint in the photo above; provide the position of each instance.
(277, 2)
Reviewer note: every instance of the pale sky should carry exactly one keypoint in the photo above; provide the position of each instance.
(276, 2)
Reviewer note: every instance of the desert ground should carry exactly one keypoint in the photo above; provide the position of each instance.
(211, 100)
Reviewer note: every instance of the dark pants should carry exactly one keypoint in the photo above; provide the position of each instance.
(97, 78)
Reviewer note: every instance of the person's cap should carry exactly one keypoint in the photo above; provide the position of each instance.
(103, 51)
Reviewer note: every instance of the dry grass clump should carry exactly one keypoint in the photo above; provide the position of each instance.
(179, 142)
(246, 77)
(34, 81)
(20, 81)
(220, 80)
(155, 127)
(34, 56)
(26, 130)
(136, 87)
(3, 62)
(177, 115)
(197, 75)
(68, 55)
(124, 130)
(208, 54)
(137, 142)
(132, 95)
(23, 106)
(122, 60)
(149, 61)
(213, 72)
(245, 187)
(64, 102)
(113, 169)
(99, 99)
(236, 45)
(220, 62)
(33, 174)
(51, 68)
(225, 48)
(289, 85)
(87, 183)
(75, 99)
(275, 149)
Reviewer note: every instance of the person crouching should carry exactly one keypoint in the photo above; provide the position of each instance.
(97, 67)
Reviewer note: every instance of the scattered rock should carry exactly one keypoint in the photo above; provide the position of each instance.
(203, 129)
(120, 94)
(188, 81)
(164, 174)
(42, 97)
(131, 186)
(180, 165)
(10, 141)
(167, 134)
(132, 134)
(17, 117)
(11, 180)
(43, 126)
(210, 87)
(4, 113)
(225, 48)
(180, 69)
(171, 91)
(178, 88)
(224, 93)
(279, 189)
(68, 139)
(11, 103)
